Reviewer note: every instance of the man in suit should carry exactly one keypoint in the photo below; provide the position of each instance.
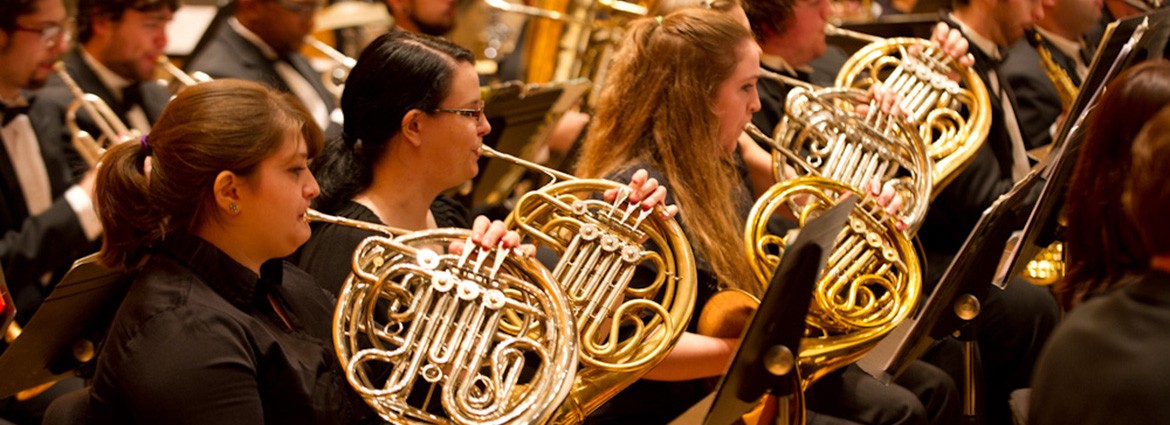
(47, 217)
(430, 17)
(1013, 323)
(120, 42)
(261, 43)
(1061, 32)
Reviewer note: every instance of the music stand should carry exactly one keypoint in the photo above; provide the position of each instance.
(62, 334)
(1117, 52)
(956, 299)
(522, 117)
(772, 337)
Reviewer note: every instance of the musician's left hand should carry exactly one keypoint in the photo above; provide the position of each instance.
(489, 234)
(888, 199)
(884, 99)
(647, 191)
(953, 43)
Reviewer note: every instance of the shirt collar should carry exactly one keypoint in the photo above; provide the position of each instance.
(265, 49)
(980, 42)
(778, 63)
(231, 280)
(1070, 48)
(109, 78)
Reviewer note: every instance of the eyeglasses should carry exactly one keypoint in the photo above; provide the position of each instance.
(474, 114)
(52, 35)
(305, 9)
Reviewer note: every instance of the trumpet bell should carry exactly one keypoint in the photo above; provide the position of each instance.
(428, 336)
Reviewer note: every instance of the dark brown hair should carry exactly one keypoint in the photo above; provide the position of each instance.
(398, 72)
(223, 125)
(769, 15)
(12, 9)
(1101, 245)
(656, 109)
(113, 10)
(1147, 191)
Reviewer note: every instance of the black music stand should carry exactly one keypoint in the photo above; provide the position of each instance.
(956, 300)
(774, 333)
(62, 334)
(1113, 57)
(522, 116)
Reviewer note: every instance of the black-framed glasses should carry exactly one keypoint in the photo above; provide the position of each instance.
(52, 35)
(474, 114)
(305, 9)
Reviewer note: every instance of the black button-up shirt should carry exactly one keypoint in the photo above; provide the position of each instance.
(198, 341)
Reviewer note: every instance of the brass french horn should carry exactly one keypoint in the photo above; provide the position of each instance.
(625, 326)
(428, 336)
(873, 278)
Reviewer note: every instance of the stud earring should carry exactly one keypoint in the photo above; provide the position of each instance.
(234, 208)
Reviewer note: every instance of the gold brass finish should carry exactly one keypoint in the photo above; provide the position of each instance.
(626, 326)
(932, 102)
(871, 283)
(183, 79)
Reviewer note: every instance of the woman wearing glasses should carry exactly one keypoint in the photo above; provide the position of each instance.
(413, 126)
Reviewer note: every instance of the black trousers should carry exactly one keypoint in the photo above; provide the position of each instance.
(1011, 329)
(923, 395)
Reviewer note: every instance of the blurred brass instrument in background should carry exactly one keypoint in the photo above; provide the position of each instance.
(572, 39)
(334, 78)
(429, 336)
(182, 79)
(1048, 266)
(112, 128)
(626, 326)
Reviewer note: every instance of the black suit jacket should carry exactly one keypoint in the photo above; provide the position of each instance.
(1036, 96)
(49, 242)
(230, 55)
(54, 100)
(958, 206)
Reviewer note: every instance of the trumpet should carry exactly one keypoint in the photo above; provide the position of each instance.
(334, 79)
(184, 79)
(107, 121)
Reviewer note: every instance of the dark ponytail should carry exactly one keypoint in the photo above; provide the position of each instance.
(396, 73)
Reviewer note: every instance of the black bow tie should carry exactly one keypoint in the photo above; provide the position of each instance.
(10, 113)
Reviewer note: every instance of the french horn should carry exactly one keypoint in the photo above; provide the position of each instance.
(429, 336)
(626, 326)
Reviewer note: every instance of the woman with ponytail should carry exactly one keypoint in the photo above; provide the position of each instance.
(215, 327)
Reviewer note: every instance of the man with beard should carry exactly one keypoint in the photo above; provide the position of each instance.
(47, 217)
(120, 42)
(262, 43)
(430, 17)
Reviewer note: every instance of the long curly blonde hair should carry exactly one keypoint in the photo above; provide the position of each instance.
(656, 109)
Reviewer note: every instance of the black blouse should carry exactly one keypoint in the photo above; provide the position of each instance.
(328, 254)
(198, 341)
